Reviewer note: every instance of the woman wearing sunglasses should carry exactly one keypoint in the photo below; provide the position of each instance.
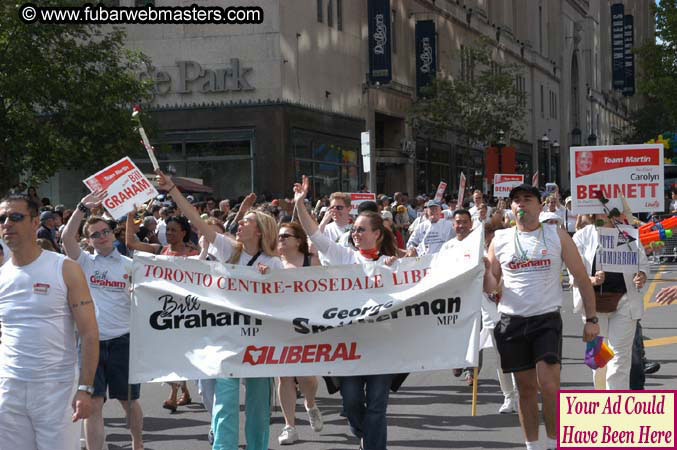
(255, 246)
(366, 411)
(292, 244)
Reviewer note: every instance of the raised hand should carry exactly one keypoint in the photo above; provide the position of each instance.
(93, 199)
(248, 202)
(301, 189)
(164, 182)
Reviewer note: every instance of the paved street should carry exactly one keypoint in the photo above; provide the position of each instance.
(432, 409)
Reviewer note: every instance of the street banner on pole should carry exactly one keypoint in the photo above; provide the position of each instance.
(461, 190)
(380, 65)
(426, 54)
(126, 187)
(503, 183)
(440, 191)
(195, 319)
(356, 198)
(633, 171)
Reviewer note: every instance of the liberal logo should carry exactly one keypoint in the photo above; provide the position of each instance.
(300, 354)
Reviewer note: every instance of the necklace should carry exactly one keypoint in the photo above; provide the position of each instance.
(522, 255)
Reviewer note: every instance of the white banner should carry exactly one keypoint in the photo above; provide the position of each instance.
(503, 183)
(440, 191)
(618, 251)
(633, 171)
(125, 186)
(196, 319)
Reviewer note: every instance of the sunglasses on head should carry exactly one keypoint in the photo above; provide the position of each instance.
(13, 217)
(285, 236)
(99, 234)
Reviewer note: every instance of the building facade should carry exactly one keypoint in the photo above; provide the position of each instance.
(253, 107)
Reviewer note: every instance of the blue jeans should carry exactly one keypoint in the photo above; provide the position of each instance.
(368, 420)
(226, 413)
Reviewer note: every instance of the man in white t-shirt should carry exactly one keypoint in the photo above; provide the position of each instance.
(339, 211)
(478, 199)
(109, 276)
(43, 298)
(429, 235)
(529, 259)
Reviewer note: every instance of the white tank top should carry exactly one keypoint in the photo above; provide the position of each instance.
(531, 263)
(38, 331)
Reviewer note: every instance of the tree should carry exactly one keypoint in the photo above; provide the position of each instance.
(66, 93)
(657, 83)
(477, 105)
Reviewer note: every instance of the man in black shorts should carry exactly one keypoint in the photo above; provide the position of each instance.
(529, 258)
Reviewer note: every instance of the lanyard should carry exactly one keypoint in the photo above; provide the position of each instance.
(522, 254)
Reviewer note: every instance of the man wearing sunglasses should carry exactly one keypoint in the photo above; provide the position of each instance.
(108, 274)
(339, 211)
(43, 297)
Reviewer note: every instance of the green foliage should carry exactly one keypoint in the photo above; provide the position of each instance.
(657, 82)
(476, 106)
(66, 93)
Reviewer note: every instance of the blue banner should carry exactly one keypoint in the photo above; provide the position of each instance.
(426, 54)
(617, 46)
(380, 64)
(629, 58)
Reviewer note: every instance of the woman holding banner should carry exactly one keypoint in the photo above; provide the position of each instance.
(178, 232)
(292, 244)
(255, 243)
(366, 412)
(619, 304)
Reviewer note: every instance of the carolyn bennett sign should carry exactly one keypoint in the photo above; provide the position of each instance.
(633, 171)
(503, 183)
(125, 184)
(196, 319)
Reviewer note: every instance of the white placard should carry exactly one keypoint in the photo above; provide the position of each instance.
(633, 171)
(505, 182)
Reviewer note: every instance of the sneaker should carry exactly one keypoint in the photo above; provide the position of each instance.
(651, 367)
(315, 418)
(509, 406)
(288, 436)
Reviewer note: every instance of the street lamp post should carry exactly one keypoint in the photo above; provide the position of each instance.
(592, 139)
(555, 153)
(500, 143)
(545, 153)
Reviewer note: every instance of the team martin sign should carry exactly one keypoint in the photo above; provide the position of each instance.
(190, 76)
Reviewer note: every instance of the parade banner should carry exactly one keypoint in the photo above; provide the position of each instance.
(629, 57)
(618, 252)
(380, 65)
(195, 319)
(534, 180)
(357, 198)
(125, 185)
(504, 183)
(633, 171)
(426, 54)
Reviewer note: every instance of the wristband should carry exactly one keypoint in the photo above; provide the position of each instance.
(83, 209)
(170, 189)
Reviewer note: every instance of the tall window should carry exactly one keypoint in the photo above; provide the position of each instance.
(540, 29)
(330, 13)
(393, 33)
(542, 103)
(339, 15)
(319, 11)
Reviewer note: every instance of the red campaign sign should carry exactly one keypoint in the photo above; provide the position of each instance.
(104, 178)
(507, 178)
(588, 162)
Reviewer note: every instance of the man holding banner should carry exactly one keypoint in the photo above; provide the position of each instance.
(529, 258)
(108, 274)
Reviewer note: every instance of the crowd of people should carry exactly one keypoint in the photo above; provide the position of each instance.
(90, 291)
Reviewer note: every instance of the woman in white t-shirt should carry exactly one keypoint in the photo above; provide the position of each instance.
(254, 245)
(366, 413)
